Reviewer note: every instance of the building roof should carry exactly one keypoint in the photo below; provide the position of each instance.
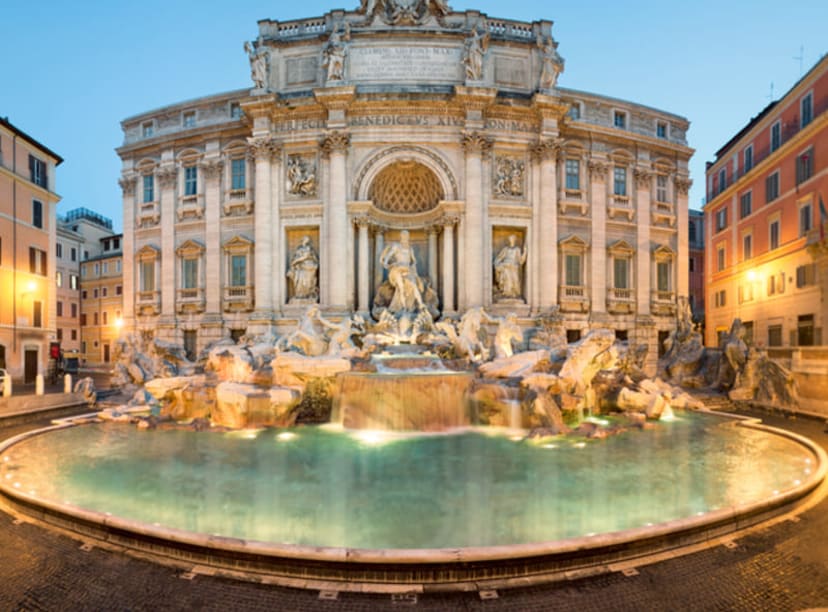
(4, 121)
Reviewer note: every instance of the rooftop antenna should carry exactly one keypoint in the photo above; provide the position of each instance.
(770, 97)
(801, 58)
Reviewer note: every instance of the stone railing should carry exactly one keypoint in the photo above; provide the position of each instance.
(620, 205)
(620, 301)
(511, 29)
(148, 302)
(573, 298)
(149, 214)
(190, 206)
(238, 201)
(663, 303)
(190, 300)
(238, 298)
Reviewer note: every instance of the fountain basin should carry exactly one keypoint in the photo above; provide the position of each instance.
(532, 512)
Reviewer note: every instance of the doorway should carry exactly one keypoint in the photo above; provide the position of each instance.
(29, 366)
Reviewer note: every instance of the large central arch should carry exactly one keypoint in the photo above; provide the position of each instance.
(404, 157)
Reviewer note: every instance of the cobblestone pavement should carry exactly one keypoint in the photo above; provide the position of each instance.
(784, 567)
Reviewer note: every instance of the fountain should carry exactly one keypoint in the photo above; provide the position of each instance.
(405, 452)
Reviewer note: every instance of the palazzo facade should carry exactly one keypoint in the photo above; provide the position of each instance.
(403, 117)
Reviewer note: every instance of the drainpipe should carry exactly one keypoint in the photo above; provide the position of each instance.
(14, 244)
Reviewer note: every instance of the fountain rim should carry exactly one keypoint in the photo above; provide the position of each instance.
(359, 565)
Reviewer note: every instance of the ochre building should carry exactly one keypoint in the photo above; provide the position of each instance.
(517, 195)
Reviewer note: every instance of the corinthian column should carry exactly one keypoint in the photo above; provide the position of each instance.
(643, 185)
(477, 147)
(127, 183)
(448, 265)
(263, 148)
(547, 155)
(212, 170)
(598, 190)
(335, 147)
(167, 180)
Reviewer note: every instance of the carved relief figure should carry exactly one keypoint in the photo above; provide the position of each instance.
(552, 64)
(507, 267)
(509, 179)
(335, 52)
(476, 46)
(399, 259)
(304, 265)
(301, 176)
(258, 65)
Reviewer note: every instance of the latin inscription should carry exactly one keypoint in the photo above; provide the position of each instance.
(510, 72)
(503, 125)
(302, 70)
(405, 64)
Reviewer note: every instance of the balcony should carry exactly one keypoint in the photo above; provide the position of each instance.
(190, 207)
(620, 206)
(573, 199)
(237, 202)
(664, 213)
(237, 299)
(620, 301)
(148, 302)
(149, 214)
(663, 303)
(190, 301)
(573, 298)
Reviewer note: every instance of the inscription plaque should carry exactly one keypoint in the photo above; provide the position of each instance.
(510, 72)
(405, 64)
(302, 70)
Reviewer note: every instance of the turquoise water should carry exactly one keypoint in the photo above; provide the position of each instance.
(318, 486)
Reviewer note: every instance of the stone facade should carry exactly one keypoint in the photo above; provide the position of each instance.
(405, 116)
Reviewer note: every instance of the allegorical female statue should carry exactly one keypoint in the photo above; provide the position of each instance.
(304, 265)
(507, 265)
(258, 65)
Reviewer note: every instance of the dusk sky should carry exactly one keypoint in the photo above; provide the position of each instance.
(73, 70)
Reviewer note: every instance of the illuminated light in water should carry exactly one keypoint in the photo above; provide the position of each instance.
(6, 458)
(17, 485)
(668, 414)
(807, 470)
(597, 421)
(648, 524)
(550, 446)
(516, 438)
(8, 476)
(776, 492)
(245, 434)
(580, 445)
(797, 482)
(286, 436)
(700, 513)
(373, 438)
(591, 534)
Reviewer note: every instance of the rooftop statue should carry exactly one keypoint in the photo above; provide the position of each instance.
(552, 64)
(477, 44)
(335, 51)
(258, 64)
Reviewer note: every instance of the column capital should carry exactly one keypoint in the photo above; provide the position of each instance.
(166, 176)
(547, 149)
(643, 177)
(476, 142)
(683, 185)
(264, 148)
(335, 142)
(127, 183)
(212, 168)
(598, 169)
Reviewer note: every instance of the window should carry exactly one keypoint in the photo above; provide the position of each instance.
(748, 158)
(748, 328)
(661, 130)
(620, 120)
(94, 293)
(73, 254)
(573, 175)
(59, 250)
(722, 179)
(84, 294)
(74, 334)
(117, 266)
(774, 335)
(59, 279)
(776, 284)
(59, 334)
(37, 213)
(773, 229)
(721, 219)
(620, 181)
(805, 275)
(807, 110)
(805, 218)
(235, 110)
(119, 290)
(720, 259)
(59, 308)
(189, 119)
(189, 273)
(37, 171)
(149, 188)
(94, 318)
(661, 188)
(747, 246)
(37, 261)
(745, 204)
(573, 270)
(103, 291)
(74, 308)
(97, 269)
(575, 111)
(720, 298)
(104, 318)
(146, 129)
(147, 271)
(691, 230)
(775, 136)
(73, 282)
(190, 180)
(37, 314)
(105, 267)
(116, 244)
(237, 172)
(238, 270)
(85, 255)
(663, 275)
(772, 187)
(620, 277)
(805, 166)
(805, 330)
(691, 265)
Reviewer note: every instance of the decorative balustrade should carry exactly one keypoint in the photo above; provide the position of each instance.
(238, 298)
(190, 300)
(620, 301)
(148, 302)
(573, 298)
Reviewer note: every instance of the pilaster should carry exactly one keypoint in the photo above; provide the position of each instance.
(598, 194)
(546, 154)
(167, 176)
(128, 185)
(477, 147)
(212, 170)
(643, 254)
(335, 148)
(264, 148)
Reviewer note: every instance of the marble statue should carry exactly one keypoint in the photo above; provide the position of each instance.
(508, 333)
(304, 265)
(508, 264)
(552, 64)
(477, 44)
(258, 65)
(301, 176)
(405, 12)
(509, 178)
(401, 262)
(335, 52)
(310, 335)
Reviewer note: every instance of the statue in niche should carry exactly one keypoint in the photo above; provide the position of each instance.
(401, 262)
(509, 180)
(258, 64)
(477, 44)
(335, 52)
(508, 265)
(304, 265)
(552, 64)
(301, 175)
